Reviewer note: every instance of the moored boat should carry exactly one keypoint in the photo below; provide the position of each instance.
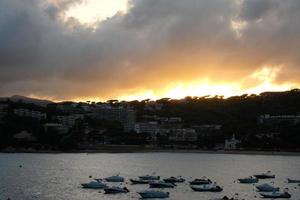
(139, 181)
(116, 178)
(266, 188)
(276, 194)
(249, 179)
(293, 180)
(225, 198)
(202, 181)
(207, 188)
(265, 175)
(174, 180)
(161, 184)
(150, 177)
(94, 185)
(153, 194)
(115, 190)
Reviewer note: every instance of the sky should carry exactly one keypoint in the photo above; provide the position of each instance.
(138, 49)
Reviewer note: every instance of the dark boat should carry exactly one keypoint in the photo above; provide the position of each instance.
(139, 181)
(154, 194)
(265, 175)
(161, 184)
(276, 194)
(200, 182)
(174, 180)
(207, 188)
(248, 180)
(115, 190)
(293, 180)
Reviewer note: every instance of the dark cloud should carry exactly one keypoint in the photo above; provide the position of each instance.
(155, 43)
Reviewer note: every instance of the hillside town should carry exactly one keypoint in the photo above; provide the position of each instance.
(236, 123)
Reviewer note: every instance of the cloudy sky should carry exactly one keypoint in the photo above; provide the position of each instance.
(104, 49)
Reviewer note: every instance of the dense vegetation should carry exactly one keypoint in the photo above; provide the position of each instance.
(236, 114)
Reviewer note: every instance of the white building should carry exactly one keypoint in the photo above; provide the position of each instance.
(68, 120)
(61, 129)
(146, 127)
(183, 135)
(231, 144)
(273, 119)
(175, 120)
(23, 112)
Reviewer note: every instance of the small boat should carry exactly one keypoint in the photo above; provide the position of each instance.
(293, 180)
(94, 185)
(115, 190)
(266, 188)
(276, 194)
(139, 181)
(265, 175)
(150, 178)
(225, 198)
(116, 178)
(161, 184)
(249, 179)
(153, 194)
(173, 179)
(200, 181)
(207, 188)
(98, 179)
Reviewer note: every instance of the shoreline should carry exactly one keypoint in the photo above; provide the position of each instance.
(126, 149)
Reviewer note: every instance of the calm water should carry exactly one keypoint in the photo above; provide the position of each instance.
(58, 176)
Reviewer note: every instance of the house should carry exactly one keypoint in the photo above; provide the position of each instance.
(24, 112)
(146, 127)
(276, 119)
(68, 120)
(56, 127)
(183, 135)
(231, 144)
(24, 136)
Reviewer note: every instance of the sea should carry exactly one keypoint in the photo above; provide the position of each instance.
(25, 176)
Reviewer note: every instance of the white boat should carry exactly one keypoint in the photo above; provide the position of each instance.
(149, 177)
(153, 194)
(249, 179)
(266, 175)
(94, 185)
(207, 188)
(115, 190)
(98, 179)
(275, 194)
(161, 184)
(293, 180)
(266, 188)
(115, 178)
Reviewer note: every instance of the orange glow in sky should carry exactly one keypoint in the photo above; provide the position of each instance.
(176, 71)
(265, 78)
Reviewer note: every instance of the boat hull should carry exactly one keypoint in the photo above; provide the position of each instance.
(162, 185)
(133, 181)
(264, 176)
(154, 195)
(293, 181)
(248, 181)
(215, 189)
(276, 196)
